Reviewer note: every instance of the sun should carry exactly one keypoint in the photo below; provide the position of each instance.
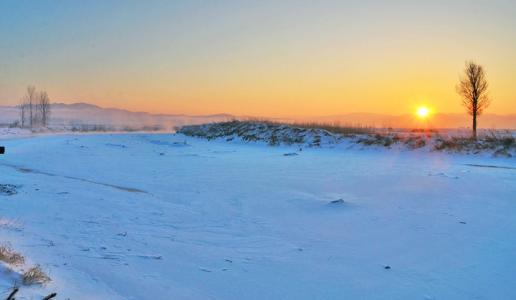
(422, 112)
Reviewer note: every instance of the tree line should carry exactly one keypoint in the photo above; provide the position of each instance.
(34, 109)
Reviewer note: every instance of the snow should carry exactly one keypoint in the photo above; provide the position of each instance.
(141, 216)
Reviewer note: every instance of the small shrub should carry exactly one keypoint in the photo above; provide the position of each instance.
(316, 141)
(273, 141)
(415, 142)
(508, 141)
(385, 140)
(35, 275)
(502, 152)
(10, 257)
(15, 124)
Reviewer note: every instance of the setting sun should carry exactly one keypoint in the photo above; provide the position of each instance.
(422, 112)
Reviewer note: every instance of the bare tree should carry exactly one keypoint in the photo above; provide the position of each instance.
(34, 108)
(23, 113)
(44, 108)
(472, 88)
(30, 99)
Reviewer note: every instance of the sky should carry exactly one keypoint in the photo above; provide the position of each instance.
(259, 58)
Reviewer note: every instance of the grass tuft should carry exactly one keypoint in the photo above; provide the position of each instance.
(11, 257)
(35, 275)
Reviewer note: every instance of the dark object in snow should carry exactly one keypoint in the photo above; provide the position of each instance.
(2, 150)
(8, 189)
(387, 267)
(462, 222)
(51, 296)
(338, 201)
(12, 294)
(290, 154)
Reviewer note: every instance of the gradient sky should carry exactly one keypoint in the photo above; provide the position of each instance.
(262, 58)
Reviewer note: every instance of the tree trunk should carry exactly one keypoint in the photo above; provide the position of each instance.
(30, 115)
(475, 125)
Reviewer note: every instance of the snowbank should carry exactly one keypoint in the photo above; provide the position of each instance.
(497, 143)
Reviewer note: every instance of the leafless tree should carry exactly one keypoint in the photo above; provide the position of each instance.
(23, 113)
(30, 100)
(473, 88)
(44, 108)
(34, 108)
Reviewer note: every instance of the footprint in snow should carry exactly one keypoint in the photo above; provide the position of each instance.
(442, 174)
(155, 257)
(337, 202)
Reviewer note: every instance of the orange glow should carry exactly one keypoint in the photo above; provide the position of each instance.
(263, 59)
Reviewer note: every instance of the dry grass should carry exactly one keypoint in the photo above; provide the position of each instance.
(337, 128)
(499, 144)
(333, 127)
(11, 257)
(274, 133)
(35, 275)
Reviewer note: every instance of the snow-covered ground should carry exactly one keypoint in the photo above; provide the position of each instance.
(172, 217)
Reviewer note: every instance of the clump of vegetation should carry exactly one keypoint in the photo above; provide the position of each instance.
(90, 128)
(108, 128)
(337, 128)
(498, 144)
(11, 257)
(415, 142)
(35, 275)
(251, 131)
(315, 135)
(385, 140)
(8, 189)
(411, 141)
(428, 131)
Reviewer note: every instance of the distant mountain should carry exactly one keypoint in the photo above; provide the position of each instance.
(88, 114)
(84, 113)
(80, 105)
